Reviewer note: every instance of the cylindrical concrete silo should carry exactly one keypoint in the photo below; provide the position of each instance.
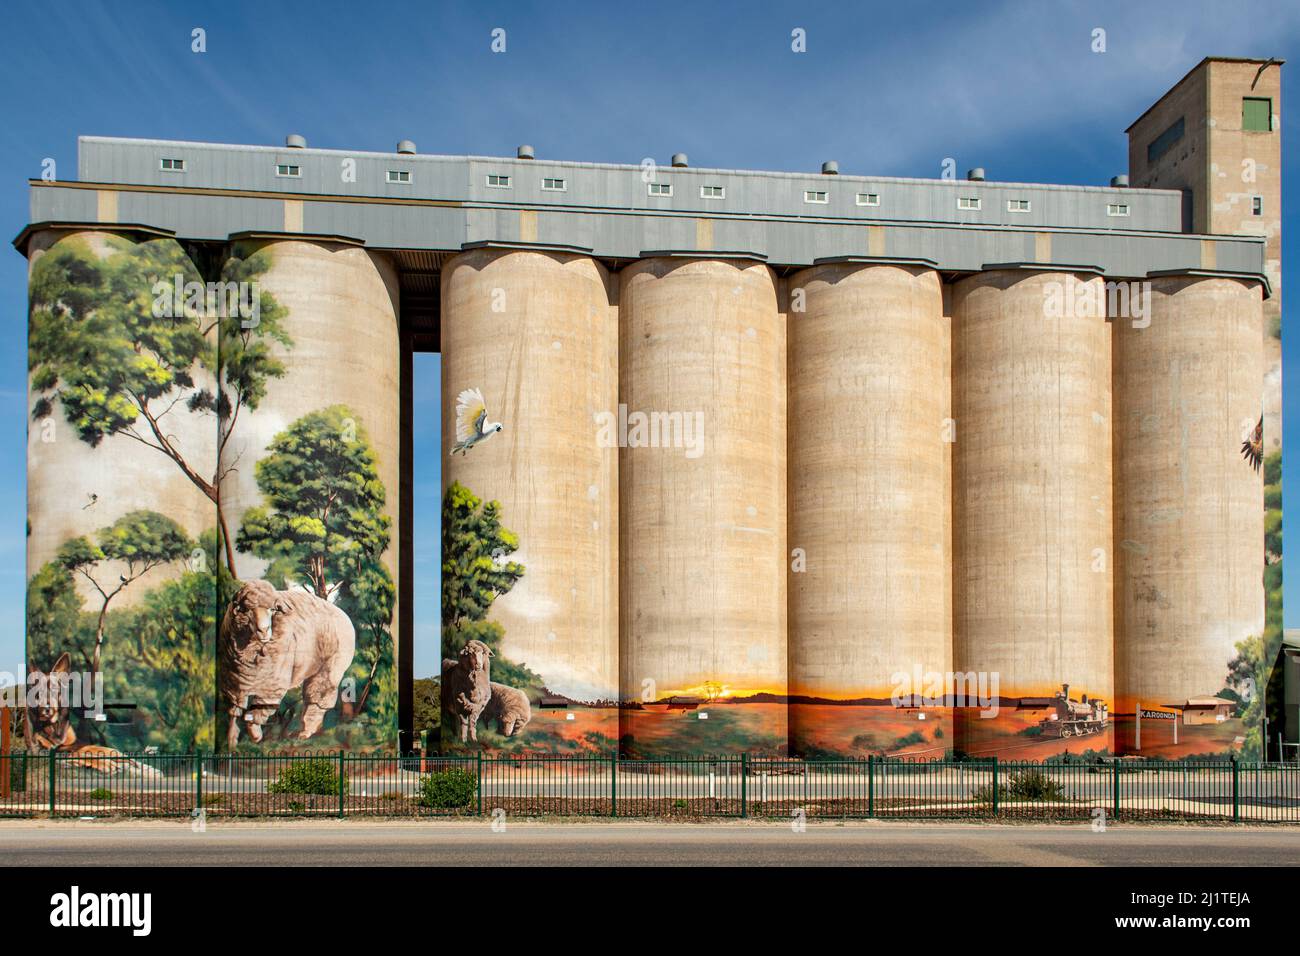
(310, 482)
(703, 512)
(1032, 514)
(536, 335)
(1189, 514)
(868, 511)
(121, 454)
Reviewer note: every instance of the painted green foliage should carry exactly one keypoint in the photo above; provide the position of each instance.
(119, 366)
(141, 541)
(111, 346)
(475, 546)
(323, 527)
(95, 344)
(476, 570)
(156, 653)
(1257, 663)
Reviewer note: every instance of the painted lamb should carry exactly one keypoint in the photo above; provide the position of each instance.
(509, 708)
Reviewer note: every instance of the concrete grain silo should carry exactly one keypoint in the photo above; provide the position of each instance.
(703, 511)
(121, 455)
(1032, 513)
(536, 333)
(1189, 513)
(869, 510)
(310, 468)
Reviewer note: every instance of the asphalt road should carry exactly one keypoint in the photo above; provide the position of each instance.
(613, 844)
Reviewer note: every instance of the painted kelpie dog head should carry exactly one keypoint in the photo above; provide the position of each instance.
(49, 713)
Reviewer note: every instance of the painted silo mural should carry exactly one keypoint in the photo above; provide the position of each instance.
(869, 513)
(1191, 665)
(210, 504)
(1032, 514)
(307, 644)
(702, 478)
(122, 491)
(530, 505)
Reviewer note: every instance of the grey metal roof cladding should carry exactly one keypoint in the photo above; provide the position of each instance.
(608, 185)
(446, 202)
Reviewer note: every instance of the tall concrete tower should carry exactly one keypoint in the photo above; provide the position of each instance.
(1217, 135)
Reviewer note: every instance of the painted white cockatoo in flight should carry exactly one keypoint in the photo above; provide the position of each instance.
(472, 425)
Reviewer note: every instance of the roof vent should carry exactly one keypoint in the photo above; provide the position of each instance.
(679, 160)
(975, 175)
(525, 152)
(294, 141)
(1119, 182)
(830, 168)
(406, 147)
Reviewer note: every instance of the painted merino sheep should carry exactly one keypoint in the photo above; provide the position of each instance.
(509, 708)
(466, 689)
(273, 641)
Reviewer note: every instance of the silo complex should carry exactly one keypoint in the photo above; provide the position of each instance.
(121, 490)
(309, 440)
(1032, 511)
(702, 507)
(869, 511)
(732, 460)
(1189, 520)
(533, 336)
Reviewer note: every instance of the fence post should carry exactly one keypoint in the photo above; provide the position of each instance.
(343, 782)
(478, 777)
(198, 781)
(53, 778)
(613, 783)
(1236, 790)
(744, 808)
(1114, 778)
(995, 786)
(5, 757)
(871, 785)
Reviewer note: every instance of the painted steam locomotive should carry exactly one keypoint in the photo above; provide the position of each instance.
(1075, 718)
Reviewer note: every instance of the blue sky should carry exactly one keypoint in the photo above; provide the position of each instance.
(885, 89)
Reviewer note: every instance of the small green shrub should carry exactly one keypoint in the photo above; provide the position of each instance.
(308, 776)
(1034, 785)
(447, 789)
(1023, 785)
(100, 793)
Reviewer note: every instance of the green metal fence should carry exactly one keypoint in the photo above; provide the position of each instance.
(346, 785)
